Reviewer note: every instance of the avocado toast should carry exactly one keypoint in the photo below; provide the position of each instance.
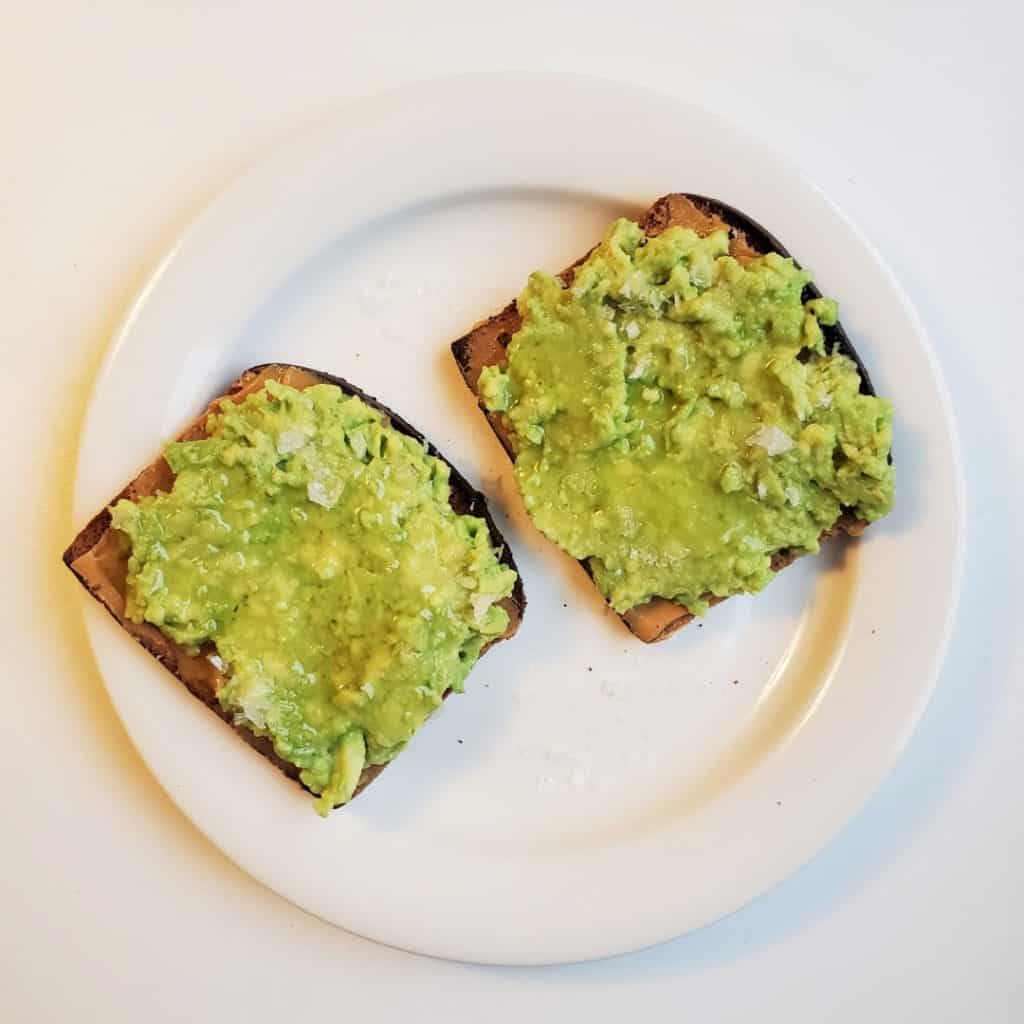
(310, 568)
(684, 411)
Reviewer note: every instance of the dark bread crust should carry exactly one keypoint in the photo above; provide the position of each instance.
(196, 673)
(487, 342)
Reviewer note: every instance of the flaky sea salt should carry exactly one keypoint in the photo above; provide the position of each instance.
(771, 438)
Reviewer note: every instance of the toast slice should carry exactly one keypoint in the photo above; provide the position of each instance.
(98, 559)
(486, 344)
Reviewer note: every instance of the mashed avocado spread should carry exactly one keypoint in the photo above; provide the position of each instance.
(315, 548)
(677, 419)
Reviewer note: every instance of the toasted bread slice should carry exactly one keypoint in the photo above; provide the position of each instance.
(486, 344)
(98, 558)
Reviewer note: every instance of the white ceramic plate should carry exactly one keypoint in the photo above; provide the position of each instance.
(588, 795)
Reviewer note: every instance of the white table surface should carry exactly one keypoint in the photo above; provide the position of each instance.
(119, 122)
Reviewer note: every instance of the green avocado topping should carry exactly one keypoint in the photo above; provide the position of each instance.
(315, 548)
(677, 419)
